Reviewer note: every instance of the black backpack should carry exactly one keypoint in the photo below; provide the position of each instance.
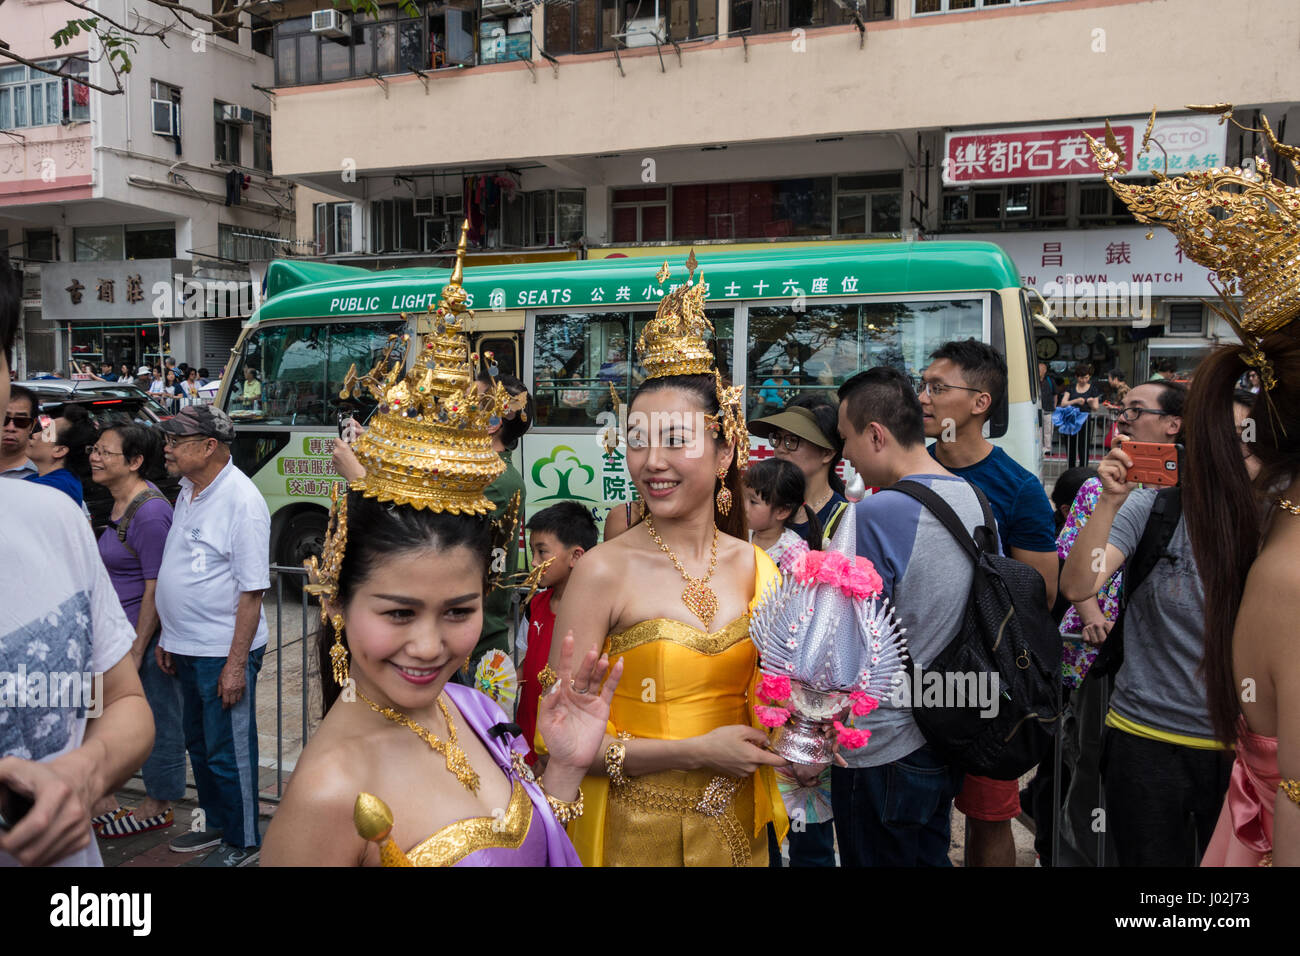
(1007, 634)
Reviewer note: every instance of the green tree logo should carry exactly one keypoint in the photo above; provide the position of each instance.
(562, 455)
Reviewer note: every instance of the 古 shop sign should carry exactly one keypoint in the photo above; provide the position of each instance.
(1027, 153)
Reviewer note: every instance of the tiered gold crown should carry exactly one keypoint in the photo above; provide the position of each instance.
(1243, 225)
(428, 445)
(674, 341)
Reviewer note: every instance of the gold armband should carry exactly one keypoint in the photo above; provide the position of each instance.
(1292, 789)
(565, 813)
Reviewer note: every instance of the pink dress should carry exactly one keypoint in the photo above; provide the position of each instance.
(1244, 835)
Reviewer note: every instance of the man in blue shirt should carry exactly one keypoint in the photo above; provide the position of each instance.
(959, 389)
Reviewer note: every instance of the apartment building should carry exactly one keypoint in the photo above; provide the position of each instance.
(140, 217)
(590, 128)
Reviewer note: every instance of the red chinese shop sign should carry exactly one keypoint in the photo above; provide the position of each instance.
(1026, 153)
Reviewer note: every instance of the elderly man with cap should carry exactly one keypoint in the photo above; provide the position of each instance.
(209, 599)
(806, 434)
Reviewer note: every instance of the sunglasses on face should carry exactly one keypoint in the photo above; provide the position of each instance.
(787, 441)
(19, 421)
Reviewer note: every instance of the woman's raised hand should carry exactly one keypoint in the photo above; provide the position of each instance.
(573, 716)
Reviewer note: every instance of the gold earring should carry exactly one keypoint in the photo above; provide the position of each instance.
(724, 494)
(339, 653)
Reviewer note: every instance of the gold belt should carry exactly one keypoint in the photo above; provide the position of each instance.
(713, 801)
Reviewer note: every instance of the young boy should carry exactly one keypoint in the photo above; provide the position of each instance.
(560, 534)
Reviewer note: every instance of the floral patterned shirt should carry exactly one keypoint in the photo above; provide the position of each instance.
(1077, 659)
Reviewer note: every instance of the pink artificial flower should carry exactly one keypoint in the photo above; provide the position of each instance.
(774, 687)
(772, 716)
(805, 567)
(832, 567)
(851, 739)
(863, 703)
(862, 579)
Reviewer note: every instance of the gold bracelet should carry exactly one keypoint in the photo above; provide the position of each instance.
(565, 813)
(546, 678)
(1292, 789)
(615, 754)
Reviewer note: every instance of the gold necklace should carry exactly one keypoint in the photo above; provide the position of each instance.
(1286, 505)
(698, 596)
(457, 762)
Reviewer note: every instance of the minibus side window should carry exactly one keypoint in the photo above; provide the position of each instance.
(796, 353)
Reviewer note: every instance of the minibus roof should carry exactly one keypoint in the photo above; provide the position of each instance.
(322, 290)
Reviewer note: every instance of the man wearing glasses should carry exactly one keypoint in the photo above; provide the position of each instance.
(209, 598)
(958, 391)
(20, 419)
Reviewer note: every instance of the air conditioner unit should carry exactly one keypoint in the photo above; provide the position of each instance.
(454, 205)
(330, 23)
(643, 32)
(245, 114)
(163, 115)
(233, 114)
(428, 206)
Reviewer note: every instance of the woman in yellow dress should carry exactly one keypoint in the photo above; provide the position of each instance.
(683, 777)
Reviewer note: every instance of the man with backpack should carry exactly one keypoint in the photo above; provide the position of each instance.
(893, 802)
(958, 391)
(1163, 773)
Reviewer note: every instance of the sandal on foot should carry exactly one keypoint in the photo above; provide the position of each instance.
(109, 817)
(130, 825)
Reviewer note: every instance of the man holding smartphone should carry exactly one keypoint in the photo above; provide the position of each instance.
(1163, 772)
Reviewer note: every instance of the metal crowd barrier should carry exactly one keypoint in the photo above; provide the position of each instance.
(308, 616)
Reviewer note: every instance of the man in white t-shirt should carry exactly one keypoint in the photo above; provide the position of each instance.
(214, 570)
(62, 632)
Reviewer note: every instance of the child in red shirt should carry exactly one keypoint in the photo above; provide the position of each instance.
(560, 534)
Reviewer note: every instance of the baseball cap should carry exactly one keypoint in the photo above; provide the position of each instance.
(797, 421)
(201, 420)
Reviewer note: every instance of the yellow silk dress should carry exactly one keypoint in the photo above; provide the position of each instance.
(679, 681)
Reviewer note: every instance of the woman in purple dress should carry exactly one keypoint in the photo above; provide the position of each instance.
(406, 768)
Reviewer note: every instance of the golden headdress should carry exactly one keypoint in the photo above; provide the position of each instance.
(673, 343)
(1242, 225)
(428, 444)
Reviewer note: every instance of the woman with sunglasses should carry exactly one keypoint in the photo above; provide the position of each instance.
(806, 434)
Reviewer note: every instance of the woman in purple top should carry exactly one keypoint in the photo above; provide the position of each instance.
(132, 548)
(410, 590)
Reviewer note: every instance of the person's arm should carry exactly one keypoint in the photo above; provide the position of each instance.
(1045, 563)
(589, 614)
(1092, 558)
(115, 746)
(313, 825)
(1284, 669)
(250, 544)
(148, 623)
(233, 680)
(1093, 624)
